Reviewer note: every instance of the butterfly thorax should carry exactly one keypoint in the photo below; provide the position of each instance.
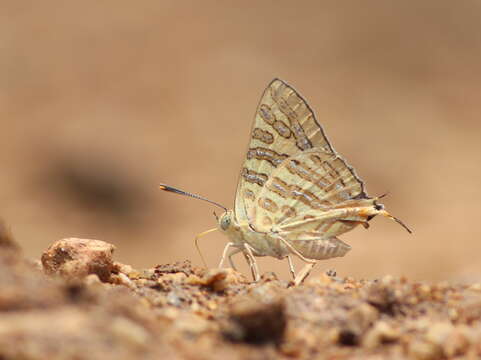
(261, 244)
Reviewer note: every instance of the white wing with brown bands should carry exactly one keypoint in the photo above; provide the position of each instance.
(284, 126)
(309, 185)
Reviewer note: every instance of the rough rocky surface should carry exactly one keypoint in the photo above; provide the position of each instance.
(178, 311)
(77, 258)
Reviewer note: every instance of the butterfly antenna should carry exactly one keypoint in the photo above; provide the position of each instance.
(196, 241)
(181, 192)
(386, 214)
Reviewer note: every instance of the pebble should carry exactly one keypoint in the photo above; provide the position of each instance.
(76, 258)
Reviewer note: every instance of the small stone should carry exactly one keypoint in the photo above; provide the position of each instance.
(184, 266)
(424, 351)
(267, 293)
(364, 315)
(331, 273)
(177, 297)
(256, 322)
(217, 279)
(125, 280)
(381, 333)
(269, 276)
(387, 280)
(424, 292)
(382, 297)
(172, 278)
(358, 321)
(148, 273)
(323, 280)
(92, 280)
(123, 268)
(194, 280)
(77, 258)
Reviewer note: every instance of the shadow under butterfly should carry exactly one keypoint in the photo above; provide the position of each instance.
(295, 193)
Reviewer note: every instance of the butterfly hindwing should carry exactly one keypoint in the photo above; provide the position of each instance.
(308, 185)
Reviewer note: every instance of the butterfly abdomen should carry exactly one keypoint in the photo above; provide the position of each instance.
(321, 249)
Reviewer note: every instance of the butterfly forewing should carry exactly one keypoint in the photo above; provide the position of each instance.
(284, 126)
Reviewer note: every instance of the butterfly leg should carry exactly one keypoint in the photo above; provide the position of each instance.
(291, 267)
(232, 253)
(224, 254)
(306, 270)
(299, 278)
(251, 261)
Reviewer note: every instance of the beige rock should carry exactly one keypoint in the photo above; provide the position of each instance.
(77, 258)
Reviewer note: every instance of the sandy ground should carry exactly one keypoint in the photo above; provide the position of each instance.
(91, 307)
(101, 101)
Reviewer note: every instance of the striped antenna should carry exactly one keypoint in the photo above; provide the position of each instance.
(185, 193)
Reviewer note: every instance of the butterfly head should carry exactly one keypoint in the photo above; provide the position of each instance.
(377, 207)
(226, 220)
(379, 210)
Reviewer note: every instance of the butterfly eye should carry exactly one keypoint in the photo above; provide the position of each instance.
(225, 222)
(378, 206)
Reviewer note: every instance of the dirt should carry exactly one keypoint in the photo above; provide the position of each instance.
(179, 311)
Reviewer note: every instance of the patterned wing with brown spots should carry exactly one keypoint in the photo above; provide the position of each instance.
(284, 126)
(310, 184)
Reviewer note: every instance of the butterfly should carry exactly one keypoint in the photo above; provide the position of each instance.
(295, 193)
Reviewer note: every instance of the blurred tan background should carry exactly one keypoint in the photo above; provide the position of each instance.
(101, 101)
